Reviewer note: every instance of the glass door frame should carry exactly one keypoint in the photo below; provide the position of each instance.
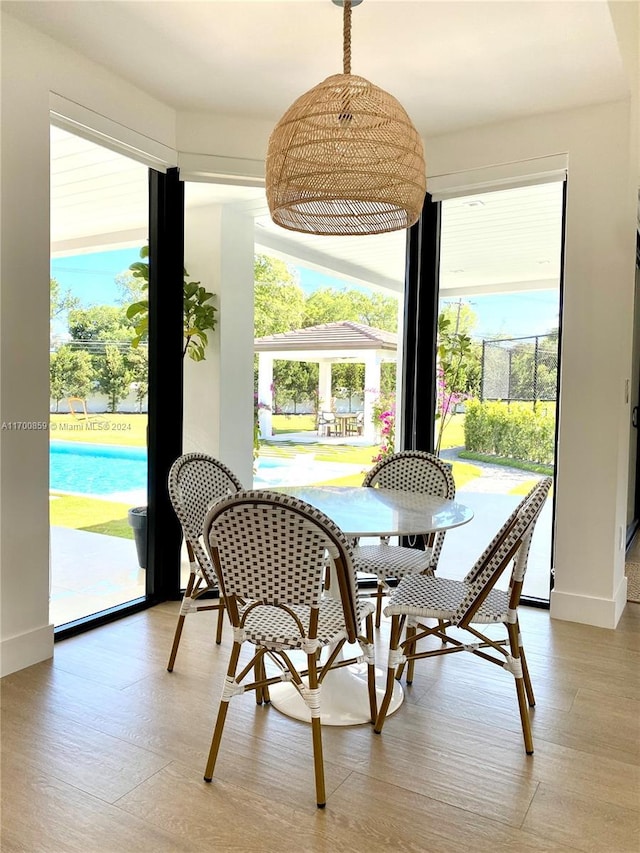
(420, 343)
(164, 429)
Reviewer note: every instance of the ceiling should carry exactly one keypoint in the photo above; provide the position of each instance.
(452, 64)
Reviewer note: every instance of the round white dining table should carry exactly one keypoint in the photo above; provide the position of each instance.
(362, 511)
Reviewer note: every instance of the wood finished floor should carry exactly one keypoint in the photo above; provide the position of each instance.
(103, 751)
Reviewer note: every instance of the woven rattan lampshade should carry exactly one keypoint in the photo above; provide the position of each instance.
(345, 159)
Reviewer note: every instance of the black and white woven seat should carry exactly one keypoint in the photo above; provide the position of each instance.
(412, 471)
(474, 600)
(270, 551)
(196, 480)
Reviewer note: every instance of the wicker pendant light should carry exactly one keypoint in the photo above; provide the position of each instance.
(345, 158)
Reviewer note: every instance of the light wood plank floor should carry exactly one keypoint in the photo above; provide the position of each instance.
(104, 751)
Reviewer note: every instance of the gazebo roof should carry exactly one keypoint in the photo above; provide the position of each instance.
(343, 335)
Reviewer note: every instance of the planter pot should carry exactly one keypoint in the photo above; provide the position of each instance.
(138, 521)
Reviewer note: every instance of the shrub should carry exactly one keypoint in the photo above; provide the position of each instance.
(515, 430)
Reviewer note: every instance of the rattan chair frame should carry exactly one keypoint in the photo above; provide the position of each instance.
(195, 481)
(270, 551)
(469, 602)
(406, 469)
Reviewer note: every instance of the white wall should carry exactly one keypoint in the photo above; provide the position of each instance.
(32, 67)
(218, 392)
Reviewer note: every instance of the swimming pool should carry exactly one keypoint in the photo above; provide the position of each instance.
(96, 469)
(116, 470)
(301, 470)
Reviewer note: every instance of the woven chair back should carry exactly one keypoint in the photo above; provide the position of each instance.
(196, 480)
(272, 548)
(415, 471)
(511, 543)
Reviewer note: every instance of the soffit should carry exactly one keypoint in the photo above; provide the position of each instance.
(498, 241)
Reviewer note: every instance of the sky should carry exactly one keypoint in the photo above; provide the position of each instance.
(91, 278)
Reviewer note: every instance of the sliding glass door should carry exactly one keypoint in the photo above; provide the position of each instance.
(114, 376)
(483, 362)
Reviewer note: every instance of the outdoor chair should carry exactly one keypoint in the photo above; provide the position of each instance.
(356, 425)
(472, 601)
(414, 471)
(196, 480)
(270, 551)
(326, 423)
(78, 410)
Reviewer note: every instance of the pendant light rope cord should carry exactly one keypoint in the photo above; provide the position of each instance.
(346, 38)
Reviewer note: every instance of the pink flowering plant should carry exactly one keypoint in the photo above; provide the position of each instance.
(384, 415)
(454, 350)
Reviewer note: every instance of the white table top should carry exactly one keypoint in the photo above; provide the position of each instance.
(363, 511)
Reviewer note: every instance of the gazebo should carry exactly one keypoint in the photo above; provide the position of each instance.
(327, 344)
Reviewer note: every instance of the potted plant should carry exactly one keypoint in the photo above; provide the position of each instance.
(199, 318)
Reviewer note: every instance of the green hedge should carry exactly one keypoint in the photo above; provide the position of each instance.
(512, 430)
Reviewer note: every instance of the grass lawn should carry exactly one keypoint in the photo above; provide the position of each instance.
(90, 514)
(130, 430)
(462, 473)
(282, 424)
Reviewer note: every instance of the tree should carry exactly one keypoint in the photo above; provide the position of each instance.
(278, 298)
(454, 355)
(60, 302)
(71, 374)
(462, 318)
(329, 305)
(130, 288)
(295, 381)
(347, 379)
(114, 378)
(100, 323)
(137, 360)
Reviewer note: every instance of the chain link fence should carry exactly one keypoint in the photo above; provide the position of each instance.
(523, 369)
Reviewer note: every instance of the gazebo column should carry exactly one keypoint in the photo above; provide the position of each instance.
(371, 393)
(324, 386)
(265, 394)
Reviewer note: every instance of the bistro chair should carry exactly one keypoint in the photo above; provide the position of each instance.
(270, 552)
(196, 480)
(413, 471)
(472, 601)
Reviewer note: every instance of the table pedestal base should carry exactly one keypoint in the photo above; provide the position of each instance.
(344, 698)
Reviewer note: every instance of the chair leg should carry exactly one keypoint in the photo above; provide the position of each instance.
(379, 592)
(394, 642)
(521, 691)
(222, 715)
(180, 625)
(220, 623)
(316, 732)
(409, 649)
(371, 673)
(525, 672)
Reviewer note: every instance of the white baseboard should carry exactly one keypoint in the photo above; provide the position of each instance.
(26, 649)
(600, 612)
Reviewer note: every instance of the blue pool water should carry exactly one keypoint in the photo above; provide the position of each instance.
(102, 469)
(96, 469)
(299, 471)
